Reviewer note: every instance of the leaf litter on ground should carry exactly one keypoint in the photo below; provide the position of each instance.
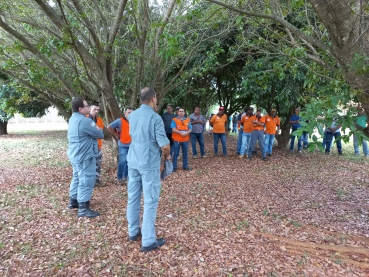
(295, 215)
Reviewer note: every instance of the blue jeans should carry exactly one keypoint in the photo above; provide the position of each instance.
(222, 138)
(245, 142)
(234, 128)
(148, 183)
(356, 146)
(176, 146)
(122, 164)
(337, 136)
(269, 140)
(305, 139)
(83, 180)
(200, 138)
(239, 141)
(292, 144)
(257, 136)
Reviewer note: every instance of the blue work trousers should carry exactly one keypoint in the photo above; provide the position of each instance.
(222, 137)
(122, 164)
(246, 137)
(337, 136)
(356, 146)
(146, 182)
(83, 180)
(257, 135)
(234, 127)
(299, 142)
(269, 140)
(200, 138)
(239, 141)
(176, 146)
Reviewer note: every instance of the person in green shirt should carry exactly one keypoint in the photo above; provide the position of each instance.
(361, 122)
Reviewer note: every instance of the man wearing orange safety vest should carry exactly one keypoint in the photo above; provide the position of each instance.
(94, 111)
(181, 129)
(124, 141)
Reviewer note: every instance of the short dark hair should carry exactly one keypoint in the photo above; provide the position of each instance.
(170, 106)
(147, 94)
(77, 103)
(94, 103)
(196, 107)
(128, 108)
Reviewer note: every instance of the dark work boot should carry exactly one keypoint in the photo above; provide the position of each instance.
(73, 203)
(85, 211)
(134, 238)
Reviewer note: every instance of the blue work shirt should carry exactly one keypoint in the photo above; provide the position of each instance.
(82, 137)
(117, 124)
(148, 136)
(295, 117)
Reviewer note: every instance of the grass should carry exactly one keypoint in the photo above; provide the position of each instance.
(48, 151)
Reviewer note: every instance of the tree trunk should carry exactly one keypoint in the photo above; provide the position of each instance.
(284, 137)
(3, 127)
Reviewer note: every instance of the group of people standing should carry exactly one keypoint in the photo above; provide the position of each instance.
(142, 139)
(145, 139)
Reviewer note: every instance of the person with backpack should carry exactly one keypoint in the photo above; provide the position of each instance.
(120, 130)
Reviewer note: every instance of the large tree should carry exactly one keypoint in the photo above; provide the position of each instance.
(340, 31)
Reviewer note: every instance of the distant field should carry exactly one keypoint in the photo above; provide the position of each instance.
(18, 127)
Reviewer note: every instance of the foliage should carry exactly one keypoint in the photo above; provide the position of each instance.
(12, 102)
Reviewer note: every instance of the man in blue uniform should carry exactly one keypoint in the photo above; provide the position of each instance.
(148, 141)
(82, 152)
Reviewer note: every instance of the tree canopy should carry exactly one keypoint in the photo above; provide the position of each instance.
(233, 53)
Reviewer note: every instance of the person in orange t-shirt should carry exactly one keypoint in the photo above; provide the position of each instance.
(272, 123)
(219, 123)
(246, 122)
(257, 134)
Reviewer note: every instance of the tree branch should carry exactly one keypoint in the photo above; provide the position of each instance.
(279, 20)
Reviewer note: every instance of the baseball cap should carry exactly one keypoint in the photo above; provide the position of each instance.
(221, 108)
(273, 110)
(177, 108)
(168, 169)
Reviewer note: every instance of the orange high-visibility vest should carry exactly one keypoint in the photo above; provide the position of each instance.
(125, 138)
(181, 125)
(100, 123)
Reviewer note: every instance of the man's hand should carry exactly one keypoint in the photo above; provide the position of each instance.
(166, 151)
